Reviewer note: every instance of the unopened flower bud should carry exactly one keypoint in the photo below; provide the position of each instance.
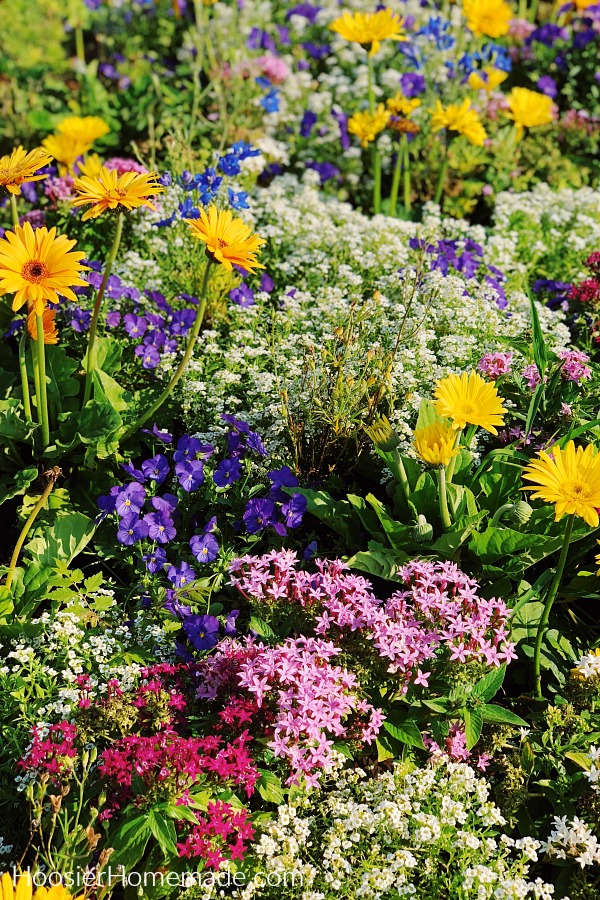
(383, 435)
(520, 513)
(422, 531)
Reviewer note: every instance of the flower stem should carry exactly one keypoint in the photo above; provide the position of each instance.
(376, 181)
(452, 463)
(183, 364)
(42, 397)
(90, 361)
(442, 178)
(396, 180)
(443, 497)
(406, 179)
(79, 44)
(14, 210)
(560, 568)
(26, 527)
(23, 370)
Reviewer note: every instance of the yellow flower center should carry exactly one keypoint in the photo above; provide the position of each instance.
(35, 271)
(576, 489)
(466, 410)
(222, 243)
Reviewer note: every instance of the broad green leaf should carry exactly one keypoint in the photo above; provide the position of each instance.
(269, 787)
(500, 716)
(404, 729)
(488, 686)
(130, 841)
(379, 560)
(262, 628)
(19, 484)
(64, 539)
(580, 759)
(164, 832)
(473, 726)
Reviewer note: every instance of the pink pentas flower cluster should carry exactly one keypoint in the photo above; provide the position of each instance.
(575, 365)
(52, 750)
(313, 700)
(223, 830)
(494, 365)
(455, 746)
(531, 376)
(440, 610)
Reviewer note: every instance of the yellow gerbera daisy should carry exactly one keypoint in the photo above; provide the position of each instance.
(369, 29)
(399, 105)
(488, 79)
(83, 129)
(435, 443)
(469, 400)
(21, 166)
(366, 125)
(460, 118)
(37, 266)
(50, 329)
(24, 890)
(528, 109)
(488, 17)
(228, 240)
(65, 150)
(570, 479)
(91, 166)
(109, 190)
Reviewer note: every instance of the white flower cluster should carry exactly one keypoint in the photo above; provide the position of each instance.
(385, 836)
(587, 667)
(593, 775)
(573, 840)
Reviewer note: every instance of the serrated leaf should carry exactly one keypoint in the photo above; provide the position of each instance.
(488, 686)
(269, 787)
(500, 716)
(404, 729)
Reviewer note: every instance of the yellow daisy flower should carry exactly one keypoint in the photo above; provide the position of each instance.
(366, 125)
(399, 105)
(37, 266)
(488, 17)
(23, 890)
(369, 29)
(83, 129)
(570, 479)
(90, 166)
(528, 109)
(21, 166)
(65, 150)
(109, 190)
(488, 79)
(50, 329)
(435, 443)
(228, 241)
(460, 118)
(469, 400)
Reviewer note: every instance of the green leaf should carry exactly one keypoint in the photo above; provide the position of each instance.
(490, 684)
(67, 537)
(428, 414)
(404, 729)
(527, 757)
(23, 478)
(164, 832)
(500, 716)
(379, 560)
(262, 628)
(107, 390)
(540, 352)
(473, 726)
(129, 841)
(580, 759)
(338, 515)
(12, 426)
(534, 406)
(269, 787)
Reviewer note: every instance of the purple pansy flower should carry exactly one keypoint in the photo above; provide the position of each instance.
(205, 547)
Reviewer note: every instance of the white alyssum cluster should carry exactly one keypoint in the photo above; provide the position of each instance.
(379, 837)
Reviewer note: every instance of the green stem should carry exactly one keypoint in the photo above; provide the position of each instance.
(442, 178)
(370, 85)
(452, 463)
(560, 568)
(406, 173)
(499, 513)
(396, 180)
(90, 361)
(533, 11)
(443, 498)
(14, 210)
(25, 531)
(42, 398)
(183, 364)
(400, 473)
(23, 370)
(377, 181)
(79, 44)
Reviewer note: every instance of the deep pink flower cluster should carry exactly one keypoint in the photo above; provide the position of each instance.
(182, 761)
(455, 746)
(209, 839)
(440, 608)
(531, 376)
(54, 753)
(313, 699)
(495, 364)
(575, 365)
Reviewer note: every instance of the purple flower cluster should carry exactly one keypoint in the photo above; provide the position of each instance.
(279, 510)
(465, 257)
(494, 365)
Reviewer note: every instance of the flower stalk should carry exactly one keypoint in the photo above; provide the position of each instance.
(14, 209)
(42, 396)
(90, 359)
(396, 179)
(442, 178)
(52, 477)
(560, 568)
(443, 499)
(24, 378)
(184, 362)
(376, 153)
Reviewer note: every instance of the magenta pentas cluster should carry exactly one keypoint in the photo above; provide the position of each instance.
(495, 365)
(52, 751)
(301, 702)
(440, 613)
(222, 833)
